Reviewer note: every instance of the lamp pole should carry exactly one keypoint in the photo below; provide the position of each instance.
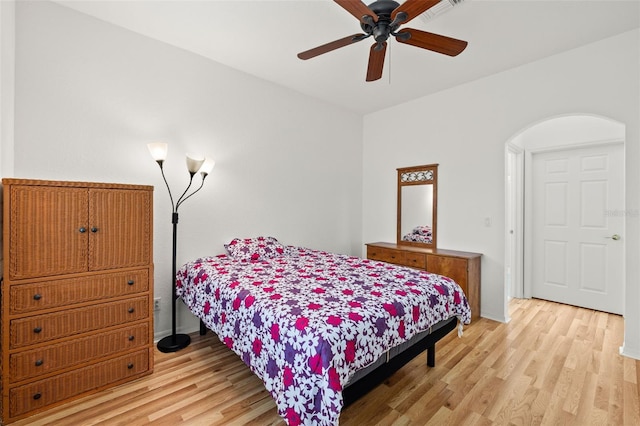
(176, 341)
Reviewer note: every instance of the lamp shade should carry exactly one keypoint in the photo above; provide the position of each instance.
(207, 166)
(158, 150)
(194, 162)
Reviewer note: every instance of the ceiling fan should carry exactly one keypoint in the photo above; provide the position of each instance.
(382, 19)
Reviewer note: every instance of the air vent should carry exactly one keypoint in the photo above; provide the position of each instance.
(440, 8)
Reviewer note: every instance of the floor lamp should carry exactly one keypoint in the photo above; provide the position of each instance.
(195, 164)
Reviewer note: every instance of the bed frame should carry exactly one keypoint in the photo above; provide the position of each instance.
(366, 379)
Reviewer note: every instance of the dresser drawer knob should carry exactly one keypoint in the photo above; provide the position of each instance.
(131, 310)
(37, 296)
(130, 365)
(37, 330)
(94, 229)
(37, 396)
(39, 362)
(82, 230)
(131, 338)
(130, 282)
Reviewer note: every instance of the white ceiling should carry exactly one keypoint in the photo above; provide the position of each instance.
(262, 38)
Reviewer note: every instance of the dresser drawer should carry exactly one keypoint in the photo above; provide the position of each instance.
(32, 297)
(385, 255)
(398, 257)
(45, 392)
(32, 363)
(415, 260)
(45, 327)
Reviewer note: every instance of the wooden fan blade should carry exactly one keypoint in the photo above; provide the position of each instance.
(357, 9)
(413, 8)
(312, 53)
(435, 42)
(376, 61)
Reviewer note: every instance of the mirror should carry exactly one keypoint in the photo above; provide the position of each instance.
(417, 205)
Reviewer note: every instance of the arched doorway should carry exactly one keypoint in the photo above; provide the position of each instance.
(555, 136)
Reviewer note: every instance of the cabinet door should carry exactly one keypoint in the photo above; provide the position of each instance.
(48, 231)
(452, 267)
(120, 228)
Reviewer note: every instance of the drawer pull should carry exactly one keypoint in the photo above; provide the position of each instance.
(37, 296)
(131, 310)
(37, 330)
(131, 338)
(130, 282)
(82, 230)
(37, 396)
(130, 365)
(39, 362)
(94, 229)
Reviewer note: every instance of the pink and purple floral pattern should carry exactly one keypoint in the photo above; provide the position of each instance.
(257, 248)
(421, 234)
(304, 322)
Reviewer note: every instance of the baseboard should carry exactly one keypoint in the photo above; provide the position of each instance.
(630, 353)
(499, 318)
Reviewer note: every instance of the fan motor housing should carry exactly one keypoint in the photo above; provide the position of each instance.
(380, 29)
(383, 8)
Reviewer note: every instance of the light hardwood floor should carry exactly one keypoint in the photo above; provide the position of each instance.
(552, 364)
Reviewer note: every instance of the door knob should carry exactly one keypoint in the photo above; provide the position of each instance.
(615, 237)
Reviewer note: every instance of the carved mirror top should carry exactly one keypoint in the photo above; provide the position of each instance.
(417, 205)
(417, 176)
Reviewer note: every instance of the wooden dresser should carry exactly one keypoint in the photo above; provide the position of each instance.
(77, 291)
(462, 267)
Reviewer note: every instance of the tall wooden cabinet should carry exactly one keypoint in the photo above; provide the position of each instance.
(461, 266)
(77, 291)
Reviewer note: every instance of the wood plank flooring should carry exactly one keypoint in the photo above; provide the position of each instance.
(552, 364)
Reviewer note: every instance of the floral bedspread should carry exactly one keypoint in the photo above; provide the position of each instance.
(305, 321)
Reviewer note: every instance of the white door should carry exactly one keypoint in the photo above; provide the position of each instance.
(577, 224)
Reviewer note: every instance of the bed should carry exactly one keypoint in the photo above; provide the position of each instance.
(308, 323)
(419, 234)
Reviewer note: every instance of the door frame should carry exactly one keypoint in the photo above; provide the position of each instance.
(514, 227)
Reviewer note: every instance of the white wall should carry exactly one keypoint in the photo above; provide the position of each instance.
(90, 95)
(464, 129)
(7, 54)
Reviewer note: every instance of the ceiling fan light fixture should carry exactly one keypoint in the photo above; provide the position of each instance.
(382, 19)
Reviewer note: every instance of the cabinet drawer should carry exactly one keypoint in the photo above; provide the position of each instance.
(405, 258)
(45, 392)
(41, 328)
(32, 363)
(385, 255)
(52, 294)
(415, 260)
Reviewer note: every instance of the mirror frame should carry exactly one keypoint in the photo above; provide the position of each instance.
(418, 175)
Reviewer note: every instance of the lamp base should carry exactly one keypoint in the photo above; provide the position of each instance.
(174, 343)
